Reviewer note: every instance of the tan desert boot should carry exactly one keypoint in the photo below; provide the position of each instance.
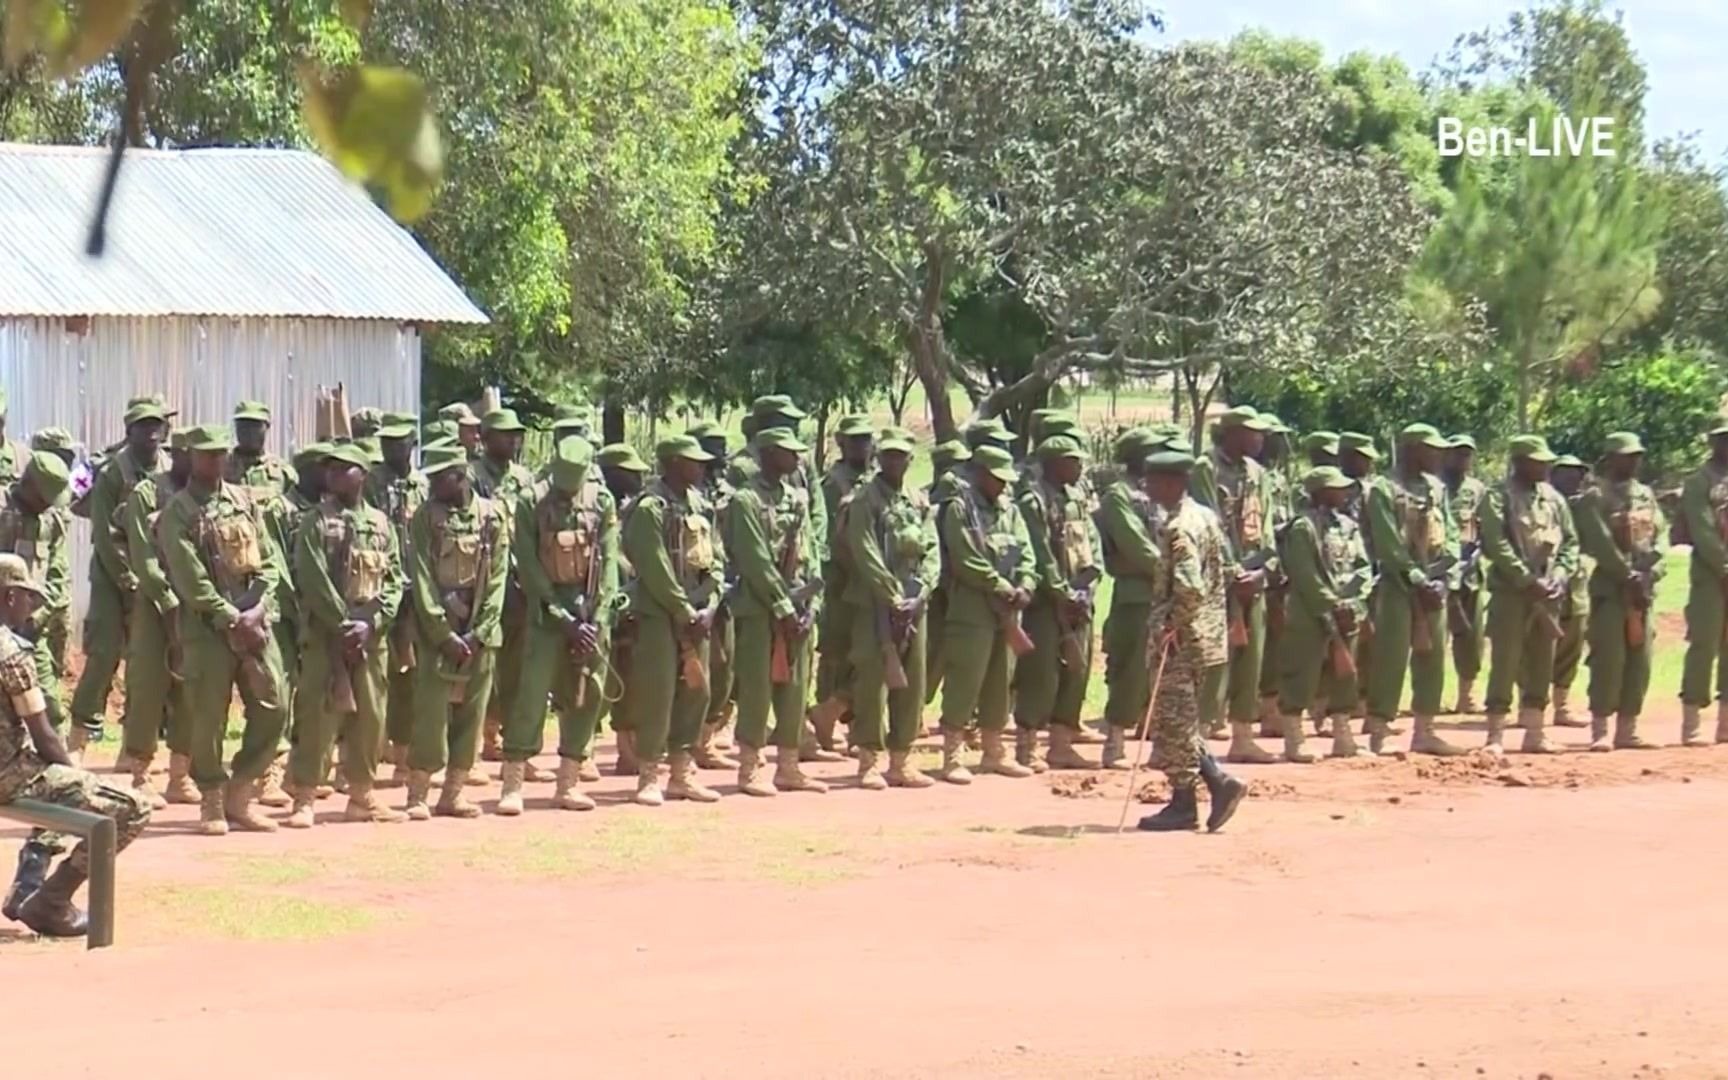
(395, 756)
(510, 796)
(568, 795)
(181, 790)
(751, 778)
(1026, 750)
(1271, 724)
(996, 760)
(142, 785)
(1294, 751)
(1243, 749)
(451, 800)
(1466, 703)
(1535, 738)
(1599, 740)
(211, 820)
(1626, 735)
(1428, 741)
(270, 791)
(954, 770)
(1344, 743)
(1692, 727)
(870, 776)
(419, 788)
(707, 755)
(1495, 743)
(902, 773)
(1380, 739)
(301, 817)
(685, 784)
(1563, 715)
(789, 775)
(491, 741)
(363, 806)
(648, 791)
(1062, 754)
(1116, 750)
(587, 771)
(237, 807)
(627, 764)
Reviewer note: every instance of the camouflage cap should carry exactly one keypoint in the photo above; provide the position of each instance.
(570, 462)
(1325, 476)
(146, 408)
(1354, 442)
(398, 425)
(502, 420)
(1533, 447)
(780, 439)
(1569, 461)
(990, 431)
(995, 461)
(48, 473)
(1061, 446)
(349, 453)
(53, 438)
(252, 410)
(681, 446)
(621, 456)
(460, 413)
(895, 438)
(366, 421)
(776, 405)
(1246, 416)
(210, 438)
(1325, 442)
(15, 574)
(1461, 441)
(1426, 434)
(437, 459)
(1622, 442)
(951, 453)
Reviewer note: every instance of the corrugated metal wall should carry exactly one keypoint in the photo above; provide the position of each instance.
(81, 381)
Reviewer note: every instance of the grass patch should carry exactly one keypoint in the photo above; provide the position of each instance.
(239, 913)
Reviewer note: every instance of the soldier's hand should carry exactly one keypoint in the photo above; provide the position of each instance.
(906, 609)
(1248, 585)
(789, 625)
(356, 635)
(1022, 598)
(702, 624)
(587, 639)
(455, 650)
(1345, 616)
(1555, 590)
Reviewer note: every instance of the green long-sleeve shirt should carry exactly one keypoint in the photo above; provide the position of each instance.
(109, 560)
(1410, 527)
(1241, 493)
(590, 517)
(670, 543)
(891, 537)
(318, 537)
(1064, 540)
(980, 573)
(1616, 522)
(42, 540)
(1326, 563)
(1527, 535)
(142, 507)
(453, 540)
(228, 508)
(1704, 502)
(1128, 527)
(763, 517)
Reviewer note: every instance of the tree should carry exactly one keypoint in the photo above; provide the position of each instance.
(1691, 253)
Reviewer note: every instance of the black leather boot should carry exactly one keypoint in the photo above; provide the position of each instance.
(1180, 814)
(32, 868)
(1226, 792)
(50, 910)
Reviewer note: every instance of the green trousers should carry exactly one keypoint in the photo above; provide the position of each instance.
(722, 668)
(872, 701)
(758, 694)
(1048, 690)
(154, 703)
(1619, 674)
(977, 676)
(1127, 679)
(59, 632)
(1232, 690)
(1569, 650)
(1468, 633)
(1305, 669)
(623, 655)
(1706, 655)
(935, 615)
(508, 664)
(577, 690)
(212, 674)
(1521, 651)
(104, 645)
(1271, 651)
(447, 733)
(834, 643)
(399, 715)
(1394, 610)
(319, 726)
(666, 712)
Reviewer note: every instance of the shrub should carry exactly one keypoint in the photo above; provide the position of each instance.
(1670, 398)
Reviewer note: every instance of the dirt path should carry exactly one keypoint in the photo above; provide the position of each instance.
(1374, 920)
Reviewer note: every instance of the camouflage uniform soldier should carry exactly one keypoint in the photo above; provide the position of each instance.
(397, 489)
(347, 565)
(113, 586)
(669, 540)
(855, 438)
(1704, 516)
(890, 537)
(224, 570)
(1128, 527)
(769, 539)
(993, 574)
(1463, 495)
(1233, 485)
(566, 539)
(498, 477)
(1190, 636)
(1416, 545)
(947, 461)
(1620, 526)
(35, 765)
(624, 472)
(1532, 553)
(155, 665)
(1050, 686)
(711, 744)
(1329, 583)
(1570, 476)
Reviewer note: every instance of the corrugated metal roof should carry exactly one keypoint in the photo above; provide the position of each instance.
(209, 232)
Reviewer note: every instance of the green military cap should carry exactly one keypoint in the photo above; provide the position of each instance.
(988, 431)
(210, 437)
(1243, 416)
(852, 425)
(436, 459)
(1569, 461)
(1721, 428)
(995, 461)
(440, 430)
(681, 446)
(1062, 423)
(349, 453)
(705, 429)
(48, 472)
(374, 449)
(1462, 441)
(621, 456)
(53, 438)
(1132, 443)
(1426, 434)
(180, 440)
(1061, 446)
(1356, 442)
(146, 408)
(776, 405)
(895, 438)
(570, 461)
(781, 438)
(311, 454)
(571, 416)
(1622, 442)
(252, 410)
(15, 574)
(1325, 476)
(950, 453)
(1534, 447)
(459, 413)
(366, 421)
(1037, 417)
(1170, 460)
(501, 420)
(1324, 441)
(398, 425)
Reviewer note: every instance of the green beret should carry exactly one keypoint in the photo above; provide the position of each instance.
(995, 461)
(1534, 447)
(780, 438)
(47, 471)
(1061, 446)
(1325, 476)
(621, 456)
(895, 438)
(681, 446)
(1426, 434)
(501, 420)
(776, 405)
(1622, 442)
(349, 453)
(436, 459)
(252, 410)
(210, 437)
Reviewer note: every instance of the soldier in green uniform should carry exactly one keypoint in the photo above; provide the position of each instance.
(467, 426)
(988, 432)
(347, 566)
(457, 543)
(1620, 526)
(250, 464)
(34, 764)
(890, 537)
(1415, 544)
(1704, 514)
(1464, 610)
(1570, 476)
(624, 473)
(855, 439)
(397, 489)
(59, 442)
(1128, 528)
(224, 570)
(1358, 459)
(35, 526)
(498, 477)
(566, 539)
(113, 586)
(1233, 485)
(1190, 636)
(947, 463)
(992, 575)
(155, 666)
(1532, 556)
(1330, 579)
(670, 543)
(711, 744)
(1274, 457)
(1050, 683)
(770, 539)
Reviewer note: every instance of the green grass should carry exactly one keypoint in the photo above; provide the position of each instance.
(241, 913)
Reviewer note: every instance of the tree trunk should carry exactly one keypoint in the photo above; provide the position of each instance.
(1525, 360)
(612, 422)
(929, 347)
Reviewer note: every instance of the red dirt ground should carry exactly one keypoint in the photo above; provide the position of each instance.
(1358, 919)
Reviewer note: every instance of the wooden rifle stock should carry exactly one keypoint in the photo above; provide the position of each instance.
(1343, 661)
(893, 668)
(779, 662)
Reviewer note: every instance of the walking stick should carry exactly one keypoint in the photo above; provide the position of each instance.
(1145, 729)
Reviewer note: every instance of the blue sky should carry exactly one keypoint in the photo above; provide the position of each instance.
(1680, 41)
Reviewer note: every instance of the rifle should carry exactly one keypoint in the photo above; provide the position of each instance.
(894, 633)
(703, 598)
(1343, 658)
(341, 690)
(789, 564)
(1007, 616)
(1462, 620)
(1421, 641)
(461, 605)
(402, 631)
(1081, 586)
(1238, 618)
(586, 615)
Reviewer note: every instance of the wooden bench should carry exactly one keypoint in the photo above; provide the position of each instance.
(100, 833)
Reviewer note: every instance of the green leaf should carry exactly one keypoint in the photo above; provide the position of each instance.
(69, 35)
(375, 124)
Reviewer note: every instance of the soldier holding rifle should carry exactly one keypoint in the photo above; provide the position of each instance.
(398, 489)
(1464, 607)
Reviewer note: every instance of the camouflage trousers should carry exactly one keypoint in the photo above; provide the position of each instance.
(63, 785)
(1176, 716)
